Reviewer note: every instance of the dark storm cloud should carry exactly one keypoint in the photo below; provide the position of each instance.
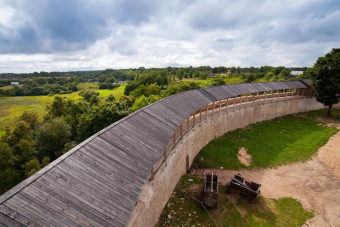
(159, 33)
(64, 25)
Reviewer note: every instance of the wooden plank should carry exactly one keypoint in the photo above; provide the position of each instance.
(81, 205)
(97, 188)
(31, 212)
(108, 163)
(79, 193)
(46, 212)
(59, 208)
(17, 216)
(7, 221)
(64, 208)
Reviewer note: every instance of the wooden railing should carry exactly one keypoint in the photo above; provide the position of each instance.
(224, 106)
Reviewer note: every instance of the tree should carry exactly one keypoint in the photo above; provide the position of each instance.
(52, 137)
(31, 118)
(269, 76)
(24, 151)
(32, 167)
(8, 175)
(88, 94)
(57, 108)
(325, 76)
(153, 89)
(141, 90)
(250, 78)
(140, 103)
(45, 162)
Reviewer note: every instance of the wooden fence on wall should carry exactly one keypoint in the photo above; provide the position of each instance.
(224, 106)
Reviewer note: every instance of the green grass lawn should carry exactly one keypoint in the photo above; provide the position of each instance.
(270, 143)
(12, 107)
(185, 211)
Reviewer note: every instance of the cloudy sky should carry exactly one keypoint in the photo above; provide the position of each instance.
(63, 35)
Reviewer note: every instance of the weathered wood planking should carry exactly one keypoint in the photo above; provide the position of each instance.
(98, 182)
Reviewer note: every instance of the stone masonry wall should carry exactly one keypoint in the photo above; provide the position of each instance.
(155, 194)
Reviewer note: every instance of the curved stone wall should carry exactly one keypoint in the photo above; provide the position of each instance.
(156, 193)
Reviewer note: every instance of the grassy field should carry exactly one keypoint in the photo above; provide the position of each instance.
(182, 210)
(13, 107)
(270, 143)
(10, 87)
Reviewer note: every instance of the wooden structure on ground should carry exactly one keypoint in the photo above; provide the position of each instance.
(98, 183)
(246, 187)
(210, 191)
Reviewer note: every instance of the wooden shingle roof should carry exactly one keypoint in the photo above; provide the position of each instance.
(99, 181)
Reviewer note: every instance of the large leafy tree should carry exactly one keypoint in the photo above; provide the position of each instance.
(52, 137)
(325, 76)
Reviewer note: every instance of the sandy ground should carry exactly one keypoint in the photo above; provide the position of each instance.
(315, 183)
(244, 157)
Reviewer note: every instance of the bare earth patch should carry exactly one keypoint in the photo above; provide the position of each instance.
(244, 157)
(315, 183)
(4, 113)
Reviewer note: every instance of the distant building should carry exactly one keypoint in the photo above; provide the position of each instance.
(14, 83)
(211, 75)
(295, 73)
(228, 71)
(122, 82)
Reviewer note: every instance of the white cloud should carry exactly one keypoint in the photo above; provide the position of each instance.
(81, 35)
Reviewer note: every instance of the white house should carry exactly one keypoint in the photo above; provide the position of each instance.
(14, 83)
(295, 73)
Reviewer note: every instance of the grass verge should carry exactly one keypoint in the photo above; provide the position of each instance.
(271, 143)
(182, 210)
(13, 107)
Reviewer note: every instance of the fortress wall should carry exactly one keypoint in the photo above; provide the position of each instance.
(155, 194)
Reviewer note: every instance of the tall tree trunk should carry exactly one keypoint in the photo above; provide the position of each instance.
(329, 110)
(338, 114)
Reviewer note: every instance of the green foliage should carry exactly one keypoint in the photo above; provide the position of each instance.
(131, 85)
(8, 174)
(57, 108)
(249, 78)
(140, 91)
(267, 143)
(32, 167)
(269, 76)
(154, 89)
(87, 94)
(218, 81)
(94, 100)
(52, 137)
(140, 103)
(45, 162)
(31, 118)
(101, 116)
(325, 76)
(24, 151)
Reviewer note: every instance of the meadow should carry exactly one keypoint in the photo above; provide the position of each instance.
(12, 107)
(294, 138)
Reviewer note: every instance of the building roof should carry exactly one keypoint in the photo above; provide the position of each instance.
(296, 73)
(99, 181)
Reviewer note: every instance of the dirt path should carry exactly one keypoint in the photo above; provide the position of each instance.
(316, 183)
